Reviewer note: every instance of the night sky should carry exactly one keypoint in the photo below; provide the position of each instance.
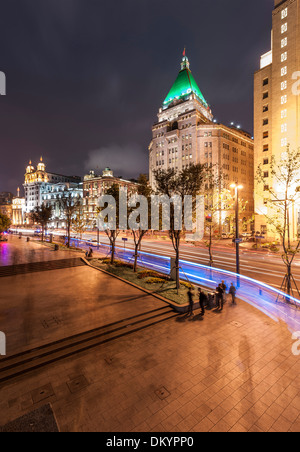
(85, 78)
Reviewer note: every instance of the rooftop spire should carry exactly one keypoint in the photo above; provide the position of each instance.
(184, 86)
(185, 64)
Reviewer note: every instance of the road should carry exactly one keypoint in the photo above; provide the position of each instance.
(263, 266)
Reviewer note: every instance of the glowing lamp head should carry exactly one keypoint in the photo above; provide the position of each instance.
(239, 187)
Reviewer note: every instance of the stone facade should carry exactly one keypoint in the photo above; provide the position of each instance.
(37, 181)
(95, 186)
(186, 133)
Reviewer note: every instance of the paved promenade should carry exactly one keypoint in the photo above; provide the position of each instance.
(17, 251)
(232, 371)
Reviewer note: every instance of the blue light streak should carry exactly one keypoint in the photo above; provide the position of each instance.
(256, 293)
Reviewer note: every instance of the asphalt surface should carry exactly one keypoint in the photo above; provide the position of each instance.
(263, 266)
(260, 265)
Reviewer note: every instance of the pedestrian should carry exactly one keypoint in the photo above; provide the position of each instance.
(232, 291)
(224, 287)
(191, 301)
(90, 253)
(220, 299)
(202, 300)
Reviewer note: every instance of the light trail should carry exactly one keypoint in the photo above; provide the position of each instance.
(256, 293)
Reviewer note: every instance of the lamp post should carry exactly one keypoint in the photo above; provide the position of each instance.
(237, 235)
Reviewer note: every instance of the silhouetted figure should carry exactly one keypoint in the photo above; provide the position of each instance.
(219, 294)
(232, 291)
(191, 301)
(224, 287)
(90, 253)
(202, 300)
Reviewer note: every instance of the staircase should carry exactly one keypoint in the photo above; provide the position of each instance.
(33, 267)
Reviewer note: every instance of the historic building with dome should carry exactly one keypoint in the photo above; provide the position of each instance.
(43, 187)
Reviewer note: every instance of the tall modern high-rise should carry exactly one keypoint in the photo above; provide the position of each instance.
(276, 106)
(186, 133)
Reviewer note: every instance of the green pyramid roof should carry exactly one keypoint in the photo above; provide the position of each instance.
(184, 85)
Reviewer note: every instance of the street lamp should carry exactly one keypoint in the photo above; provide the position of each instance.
(237, 238)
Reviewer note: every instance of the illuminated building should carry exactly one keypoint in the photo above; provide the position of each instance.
(51, 195)
(37, 183)
(6, 199)
(95, 186)
(186, 134)
(276, 107)
(18, 210)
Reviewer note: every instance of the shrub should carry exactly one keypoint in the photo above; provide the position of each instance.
(155, 281)
(186, 284)
(148, 273)
(117, 263)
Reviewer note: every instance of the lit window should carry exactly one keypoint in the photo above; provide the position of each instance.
(284, 28)
(283, 57)
(283, 71)
(283, 128)
(283, 99)
(283, 85)
(284, 142)
(284, 42)
(283, 113)
(284, 13)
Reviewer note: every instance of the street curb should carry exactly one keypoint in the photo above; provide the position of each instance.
(178, 308)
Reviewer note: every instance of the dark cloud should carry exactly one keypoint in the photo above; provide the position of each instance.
(91, 74)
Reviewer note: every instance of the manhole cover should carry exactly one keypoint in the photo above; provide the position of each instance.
(42, 393)
(237, 324)
(77, 384)
(162, 393)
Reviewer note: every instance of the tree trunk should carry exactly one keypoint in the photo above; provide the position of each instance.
(289, 278)
(136, 247)
(177, 270)
(210, 248)
(113, 245)
(69, 234)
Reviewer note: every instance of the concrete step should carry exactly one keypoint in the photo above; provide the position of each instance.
(12, 367)
(33, 267)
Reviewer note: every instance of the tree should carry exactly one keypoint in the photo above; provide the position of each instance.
(215, 198)
(69, 205)
(187, 182)
(282, 196)
(41, 215)
(145, 190)
(4, 223)
(113, 232)
(79, 222)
